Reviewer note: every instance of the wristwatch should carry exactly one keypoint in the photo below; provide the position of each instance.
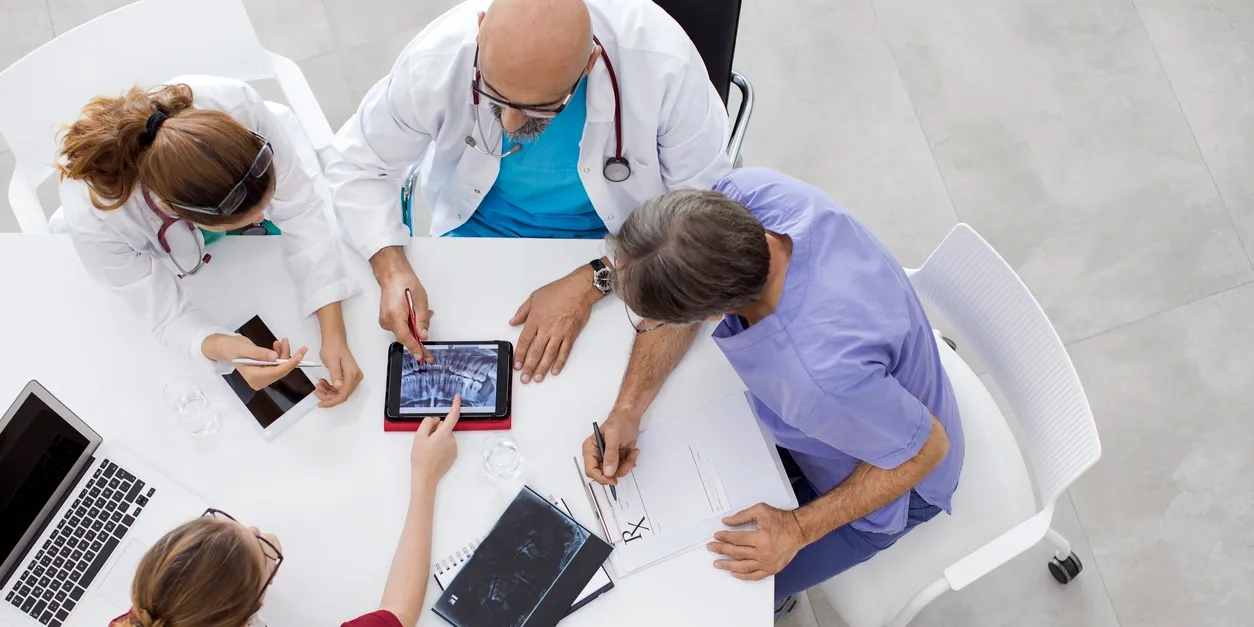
(602, 277)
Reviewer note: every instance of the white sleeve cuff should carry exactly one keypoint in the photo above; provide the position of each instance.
(198, 355)
(335, 292)
(394, 237)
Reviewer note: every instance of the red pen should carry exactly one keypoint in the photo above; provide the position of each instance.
(413, 324)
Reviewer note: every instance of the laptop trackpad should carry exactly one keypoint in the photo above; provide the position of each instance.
(116, 587)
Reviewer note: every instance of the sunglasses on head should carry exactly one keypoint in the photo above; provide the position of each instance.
(271, 552)
(235, 198)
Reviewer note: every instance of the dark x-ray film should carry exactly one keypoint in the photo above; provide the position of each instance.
(468, 370)
(527, 572)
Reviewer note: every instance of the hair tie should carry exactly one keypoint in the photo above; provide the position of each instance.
(153, 123)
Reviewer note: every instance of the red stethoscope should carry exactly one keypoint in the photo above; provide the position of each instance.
(168, 221)
(616, 169)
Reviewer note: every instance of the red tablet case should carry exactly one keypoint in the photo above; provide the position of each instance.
(503, 424)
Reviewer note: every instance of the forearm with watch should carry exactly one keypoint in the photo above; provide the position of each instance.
(869, 488)
(602, 277)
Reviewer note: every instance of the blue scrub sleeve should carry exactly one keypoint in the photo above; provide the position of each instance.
(873, 419)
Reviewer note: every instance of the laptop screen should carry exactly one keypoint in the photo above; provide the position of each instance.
(39, 453)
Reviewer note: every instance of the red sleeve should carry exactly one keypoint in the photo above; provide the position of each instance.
(380, 618)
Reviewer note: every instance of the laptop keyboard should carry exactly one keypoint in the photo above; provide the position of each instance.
(85, 537)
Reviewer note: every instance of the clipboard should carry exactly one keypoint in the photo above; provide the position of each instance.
(692, 472)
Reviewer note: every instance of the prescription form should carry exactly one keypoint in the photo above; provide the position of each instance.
(692, 472)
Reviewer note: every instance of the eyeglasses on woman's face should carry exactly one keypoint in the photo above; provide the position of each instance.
(274, 557)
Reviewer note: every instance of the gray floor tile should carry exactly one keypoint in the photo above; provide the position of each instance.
(26, 26)
(1168, 509)
(1059, 139)
(8, 223)
(357, 22)
(67, 14)
(1207, 51)
(1019, 594)
(296, 29)
(365, 64)
(1023, 593)
(801, 616)
(326, 77)
(832, 110)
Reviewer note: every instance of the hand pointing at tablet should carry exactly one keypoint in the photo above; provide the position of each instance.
(434, 447)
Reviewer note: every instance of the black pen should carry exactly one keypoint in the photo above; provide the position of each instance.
(596, 431)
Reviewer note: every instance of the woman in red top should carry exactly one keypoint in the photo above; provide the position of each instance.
(214, 571)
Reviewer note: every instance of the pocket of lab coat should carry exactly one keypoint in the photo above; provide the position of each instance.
(644, 183)
(471, 179)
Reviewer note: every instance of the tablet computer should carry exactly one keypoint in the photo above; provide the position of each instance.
(276, 406)
(479, 371)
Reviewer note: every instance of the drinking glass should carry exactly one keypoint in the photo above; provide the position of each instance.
(502, 461)
(191, 408)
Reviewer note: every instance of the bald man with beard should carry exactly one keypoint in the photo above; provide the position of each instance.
(529, 118)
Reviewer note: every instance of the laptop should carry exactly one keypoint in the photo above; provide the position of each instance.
(76, 516)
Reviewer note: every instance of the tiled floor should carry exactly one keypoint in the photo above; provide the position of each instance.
(1105, 147)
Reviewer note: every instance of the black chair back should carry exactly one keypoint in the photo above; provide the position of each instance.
(711, 25)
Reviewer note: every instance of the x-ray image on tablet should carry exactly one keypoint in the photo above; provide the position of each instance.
(466, 369)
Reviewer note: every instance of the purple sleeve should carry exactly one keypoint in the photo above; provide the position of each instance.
(873, 419)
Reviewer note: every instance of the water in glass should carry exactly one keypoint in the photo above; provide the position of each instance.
(501, 457)
(191, 408)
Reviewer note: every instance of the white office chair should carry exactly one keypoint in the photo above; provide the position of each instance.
(1012, 476)
(144, 43)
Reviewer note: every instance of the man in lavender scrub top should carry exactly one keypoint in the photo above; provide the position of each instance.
(827, 333)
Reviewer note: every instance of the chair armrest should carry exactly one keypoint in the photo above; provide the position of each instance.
(742, 116)
(1000, 550)
(26, 207)
(301, 100)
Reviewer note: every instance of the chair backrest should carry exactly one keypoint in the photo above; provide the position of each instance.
(146, 43)
(999, 320)
(711, 25)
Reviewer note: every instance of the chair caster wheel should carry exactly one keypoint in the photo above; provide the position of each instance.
(1065, 570)
(952, 344)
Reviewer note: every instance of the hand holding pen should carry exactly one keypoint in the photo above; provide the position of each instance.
(423, 355)
(596, 433)
(260, 376)
(610, 452)
(403, 301)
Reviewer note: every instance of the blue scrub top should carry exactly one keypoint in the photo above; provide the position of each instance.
(538, 192)
(846, 370)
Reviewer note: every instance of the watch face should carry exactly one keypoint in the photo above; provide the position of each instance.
(602, 280)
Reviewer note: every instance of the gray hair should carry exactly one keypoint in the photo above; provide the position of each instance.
(689, 255)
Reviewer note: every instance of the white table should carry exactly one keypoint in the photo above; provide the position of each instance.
(334, 486)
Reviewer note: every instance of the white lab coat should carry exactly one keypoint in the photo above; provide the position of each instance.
(674, 125)
(120, 249)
